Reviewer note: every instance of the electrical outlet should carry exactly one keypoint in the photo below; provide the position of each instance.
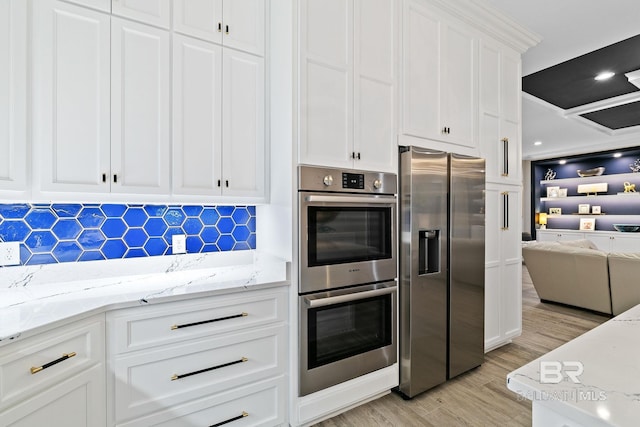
(179, 244)
(9, 253)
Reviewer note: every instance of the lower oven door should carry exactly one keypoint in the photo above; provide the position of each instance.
(345, 334)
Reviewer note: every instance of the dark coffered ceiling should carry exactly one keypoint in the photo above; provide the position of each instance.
(571, 84)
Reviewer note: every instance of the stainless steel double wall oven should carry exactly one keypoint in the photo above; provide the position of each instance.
(347, 274)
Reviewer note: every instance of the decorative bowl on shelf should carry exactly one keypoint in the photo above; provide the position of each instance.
(591, 172)
(628, 228)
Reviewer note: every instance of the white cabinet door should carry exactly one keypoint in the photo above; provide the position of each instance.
(243, 139)
(439, 77)
(243, 25)
(78, 401)
(510, 113)
(199, 18)
(140, 67)
(71, 85)
(421, 115)
(458, 72)
(374, 85)
(326, 82)
(154, 12)
(197, 116)
(13, 95)
(503, 265)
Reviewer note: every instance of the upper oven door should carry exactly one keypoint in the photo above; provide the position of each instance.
(346, 239)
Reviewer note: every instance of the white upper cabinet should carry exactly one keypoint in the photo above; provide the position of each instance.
(243, 25)
(347, 82)
(326, 82)
(439, 77)
(102, 102)
(72, 98)
(243, 145)
(13, 95)
(238, 24)
(374, 85)
(219, 99)
(154, 12)
(140, 108)
(197, 116)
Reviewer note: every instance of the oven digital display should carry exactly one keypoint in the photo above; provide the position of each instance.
(353, 180)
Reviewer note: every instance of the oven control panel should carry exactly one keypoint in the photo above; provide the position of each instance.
(314, 178)
(353, 180)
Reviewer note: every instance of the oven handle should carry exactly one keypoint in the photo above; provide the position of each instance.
(322, 302)
(346, 199)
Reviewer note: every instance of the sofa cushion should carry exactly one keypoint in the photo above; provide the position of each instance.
(624, 275)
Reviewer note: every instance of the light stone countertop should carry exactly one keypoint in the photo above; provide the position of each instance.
(607, 390)
(34, 298)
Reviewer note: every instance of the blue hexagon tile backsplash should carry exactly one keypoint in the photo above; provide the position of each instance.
(54, 233)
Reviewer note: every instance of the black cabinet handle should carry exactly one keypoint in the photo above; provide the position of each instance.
(219, 27)
(104, 177)
(505, 210)
(35, 370)
(213, 368)
(204, 322)
(239, 417)
(226, 27)
(115, 178)
(505, 156)
(226, 183)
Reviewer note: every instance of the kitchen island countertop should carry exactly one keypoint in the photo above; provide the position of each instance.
(36, 298)
(593, 380)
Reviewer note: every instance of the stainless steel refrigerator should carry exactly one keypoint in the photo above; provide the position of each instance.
(441, 198)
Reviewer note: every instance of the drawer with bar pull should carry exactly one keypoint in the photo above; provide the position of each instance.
(171, 375)
(257, 404)
(35, 363)
(145, 327)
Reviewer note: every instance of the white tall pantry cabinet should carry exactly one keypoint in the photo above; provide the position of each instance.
(500, 145)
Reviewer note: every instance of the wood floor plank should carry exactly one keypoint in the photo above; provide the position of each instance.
(480, 397)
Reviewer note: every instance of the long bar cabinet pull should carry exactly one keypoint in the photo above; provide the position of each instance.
(239, 417)
(505, 156)
(35, 370)
(188, 325)
(213, 368)
(505, 210)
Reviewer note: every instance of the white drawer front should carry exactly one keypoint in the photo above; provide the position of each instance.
(262, 403)
(82, 343)
(144, 327)
(156, 379)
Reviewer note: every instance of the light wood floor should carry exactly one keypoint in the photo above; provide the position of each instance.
(480, 397)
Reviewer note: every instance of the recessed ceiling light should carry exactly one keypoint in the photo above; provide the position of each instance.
(617, 155)
(562, 162)
(537, 143)
(605, 75)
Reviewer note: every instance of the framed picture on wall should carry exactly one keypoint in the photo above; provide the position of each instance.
(596, 210)
(587, 224)
(555, 211)
(583, 208)
(562, 192)
(552, 191)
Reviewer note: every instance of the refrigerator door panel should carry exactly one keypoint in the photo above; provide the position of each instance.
(466, 281)
(423, 270)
